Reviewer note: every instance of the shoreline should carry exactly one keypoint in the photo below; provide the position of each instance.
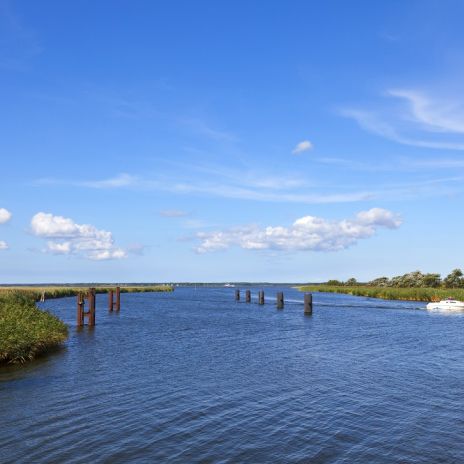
(425, 294)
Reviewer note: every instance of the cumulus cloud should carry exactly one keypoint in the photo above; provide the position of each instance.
(308, 233)
(5, 215)
(305, 145)
(64, 236)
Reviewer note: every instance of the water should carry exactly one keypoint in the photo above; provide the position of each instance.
(193, 376)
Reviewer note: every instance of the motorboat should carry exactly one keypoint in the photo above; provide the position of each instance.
(446, 305)
(229, 285)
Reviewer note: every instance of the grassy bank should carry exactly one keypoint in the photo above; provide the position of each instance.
(25, 330)
(390, 293)
(61, 291)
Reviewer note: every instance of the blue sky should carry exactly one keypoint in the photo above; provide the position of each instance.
(237, 140)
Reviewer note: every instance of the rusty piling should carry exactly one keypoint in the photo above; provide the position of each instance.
(118, 298)
(110, 300)
(80, 310)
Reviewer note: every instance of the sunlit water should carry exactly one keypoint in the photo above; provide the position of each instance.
(193, 376)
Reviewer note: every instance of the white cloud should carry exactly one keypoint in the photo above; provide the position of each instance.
(246, 186)
(305, 145)
(435, 114)
(308, 233)
(3, 245)
(59, 247)
(421, 120)
(122, 180)
(201, 128)
(5, 215)
(67, 237)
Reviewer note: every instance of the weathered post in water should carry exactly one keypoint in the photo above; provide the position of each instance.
(91, 312)
(80, 310)
(110, 300)
(308, 303)
(261, 297)
(118, 298)
(237, 295)
(248, 296)
(280, 300)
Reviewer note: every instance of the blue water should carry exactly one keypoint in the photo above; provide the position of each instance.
(193, 376)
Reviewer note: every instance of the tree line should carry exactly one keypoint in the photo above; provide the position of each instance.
(455, 279)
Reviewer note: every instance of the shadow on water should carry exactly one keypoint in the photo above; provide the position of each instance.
(12, 371)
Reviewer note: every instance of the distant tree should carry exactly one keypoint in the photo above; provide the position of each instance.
(380, 282)
(431, 280)
(351, 282)
(334, 282)
(411, 279)
(454, 279)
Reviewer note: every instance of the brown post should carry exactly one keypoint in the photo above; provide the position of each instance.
(80, 310)
(237, 295)
(261, 297)
(280, 300)
(248, 296)
(110, 300)
(308, 303)
(91, 307)
(118, 298)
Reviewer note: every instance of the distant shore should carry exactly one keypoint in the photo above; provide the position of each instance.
(60, 291)
(389, 293)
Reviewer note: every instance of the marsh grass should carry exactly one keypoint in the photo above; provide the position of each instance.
(51, 292)
(390, 293)
(27, 331)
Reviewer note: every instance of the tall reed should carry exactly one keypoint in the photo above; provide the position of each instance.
(390, 293)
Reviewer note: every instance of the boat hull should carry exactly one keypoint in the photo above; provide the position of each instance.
(452, 306)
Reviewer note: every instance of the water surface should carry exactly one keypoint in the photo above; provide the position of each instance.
(193, 376)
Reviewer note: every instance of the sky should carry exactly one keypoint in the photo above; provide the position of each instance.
(286, 141)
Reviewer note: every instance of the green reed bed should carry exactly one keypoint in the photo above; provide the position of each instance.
(50, 292)
(27, 331)
(390, 293)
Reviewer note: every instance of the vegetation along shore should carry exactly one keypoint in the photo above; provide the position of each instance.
(414, 286)
(27, 331)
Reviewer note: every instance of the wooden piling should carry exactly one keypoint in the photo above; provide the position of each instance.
(118, 298)
(261, 297)
(280, 300)
(91, 313)
(308, 303)
(80, 310)
(237, 295)
(248, 296)
(110, 300)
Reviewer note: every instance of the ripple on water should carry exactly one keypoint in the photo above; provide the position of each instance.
(196, 377)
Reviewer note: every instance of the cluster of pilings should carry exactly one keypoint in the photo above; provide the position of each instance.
(307, 302)
(90, 313)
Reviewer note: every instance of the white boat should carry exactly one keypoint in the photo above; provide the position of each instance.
(229, 285)
(446, 305)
